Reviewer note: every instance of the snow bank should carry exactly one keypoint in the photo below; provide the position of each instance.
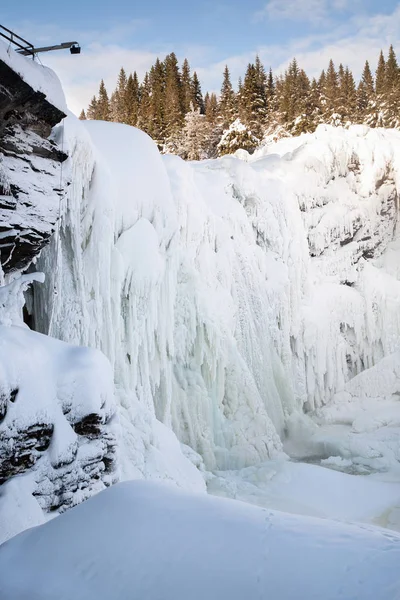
(313, 490)
(144, 540)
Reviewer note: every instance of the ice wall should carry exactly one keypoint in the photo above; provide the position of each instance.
(227, 294)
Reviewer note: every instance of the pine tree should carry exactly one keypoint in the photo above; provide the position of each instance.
(365, 94)
(237, 137)
(92, 109)
(144, 113)
(315, 102)
(82, 116)
(103, 104)
(206, 102)
(212, 108)
(380, 77)
(289, 99)
(173, 100)
(252, 98)
(132, 95)
(377, 115)
(195, 135)
(392, 91)
(330, 93)
(214, 127)
(322, 81)
(196, 95)
(247, 97)
(346, 106)
(227, 102)
(306, 107)
(285, 105)
(186, 86)
(260, 75)
(391, 72)
(157, 116)
(113, 107)
(340, 75)
(118, 104)
(272, 102)
(270, 91)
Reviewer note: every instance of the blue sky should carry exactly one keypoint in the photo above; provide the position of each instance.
(209, 33)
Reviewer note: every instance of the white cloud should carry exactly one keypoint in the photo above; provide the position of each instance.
(352, 43)
(359, 38)
(313, 11)
(80, 75)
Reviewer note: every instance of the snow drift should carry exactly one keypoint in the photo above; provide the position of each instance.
(143, 540)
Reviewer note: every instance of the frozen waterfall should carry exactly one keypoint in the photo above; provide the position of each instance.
(228, 294)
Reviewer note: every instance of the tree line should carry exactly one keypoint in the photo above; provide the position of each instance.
(169, 104)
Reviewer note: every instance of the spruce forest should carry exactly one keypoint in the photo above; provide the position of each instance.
(169, 104)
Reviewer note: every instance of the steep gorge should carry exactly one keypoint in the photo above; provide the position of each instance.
(230, 297)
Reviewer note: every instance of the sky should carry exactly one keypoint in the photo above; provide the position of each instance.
(212, 33)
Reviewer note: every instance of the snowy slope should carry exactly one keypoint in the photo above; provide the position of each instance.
(143, 540)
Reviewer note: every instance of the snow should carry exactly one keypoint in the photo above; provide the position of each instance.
(308, 489)
(78, 378)
(362, 423)
(12, 300)
(19, 510)
(40, 78)
(144, 540)
(230, 297)
(55, 386)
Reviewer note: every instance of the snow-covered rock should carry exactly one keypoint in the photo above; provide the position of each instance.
(143, 540)
(56, 427)
(57, 435)
(32, 179)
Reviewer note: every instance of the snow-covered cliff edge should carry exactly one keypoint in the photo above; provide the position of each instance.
(31, 173)
(57, 438)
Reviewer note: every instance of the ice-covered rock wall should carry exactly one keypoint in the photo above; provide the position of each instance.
(57, 434)
(347, 184)
(227, 294)
(32, 180)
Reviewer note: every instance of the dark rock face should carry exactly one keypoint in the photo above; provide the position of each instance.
(20, 452)
(30, 170)
(62, 478)
(65, 485)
